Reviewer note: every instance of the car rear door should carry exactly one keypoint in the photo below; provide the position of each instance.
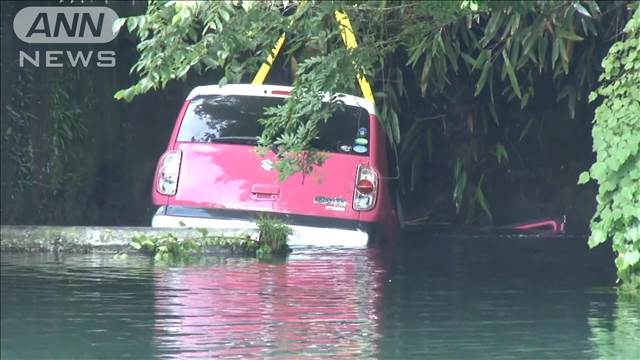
(220, 167)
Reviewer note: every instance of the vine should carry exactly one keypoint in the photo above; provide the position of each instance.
(616, 141)
(16, 137)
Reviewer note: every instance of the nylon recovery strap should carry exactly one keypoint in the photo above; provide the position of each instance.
(350, 42)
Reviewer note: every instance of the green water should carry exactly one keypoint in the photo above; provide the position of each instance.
(430, 298)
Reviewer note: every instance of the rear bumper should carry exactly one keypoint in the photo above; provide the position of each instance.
(307, 230)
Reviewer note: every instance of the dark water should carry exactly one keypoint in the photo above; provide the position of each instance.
(430, 298)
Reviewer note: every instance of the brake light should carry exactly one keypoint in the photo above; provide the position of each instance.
(365, 186)
(169, 173)
(364, 196)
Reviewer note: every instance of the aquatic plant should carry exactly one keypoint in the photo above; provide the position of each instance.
(171, 247)
(272, 241)
(274, 235)
(616, 141)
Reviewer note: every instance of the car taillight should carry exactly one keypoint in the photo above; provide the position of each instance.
(169, 172)
(365, 186)
(364, 196)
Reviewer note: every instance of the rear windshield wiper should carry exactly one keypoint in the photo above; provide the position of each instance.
(249, 140)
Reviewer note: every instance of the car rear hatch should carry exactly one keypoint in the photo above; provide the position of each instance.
(221, 169)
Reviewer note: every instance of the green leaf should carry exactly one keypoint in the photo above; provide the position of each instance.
(224, 13)
(119, 95)
(512, 75)
(563, 55)
(568, 35)
(118, 24)
(501, 153)
(468, 59)
(597, 237)
(542, 51)
(209, 61)
(132, 23)
(584, 178)
(483, 57)
(632, 257)
(492, 27)
(452, 54)
(555, 52)
(526, 129)
(175, 19)
(486, 70)
(424, 79)
(483, 203)
(581, 9)
(529, 42)
(494, 114)
(571, 102)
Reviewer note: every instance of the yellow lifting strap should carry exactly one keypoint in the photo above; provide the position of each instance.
(349, 39)
(350, 42)
(264, 69)
(262, 73)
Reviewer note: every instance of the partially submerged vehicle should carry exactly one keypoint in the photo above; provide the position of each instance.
(211, 176)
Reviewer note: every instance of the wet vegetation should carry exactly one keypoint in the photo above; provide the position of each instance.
(487, 103)
(272, 241)
(170, 247)
(274, 235)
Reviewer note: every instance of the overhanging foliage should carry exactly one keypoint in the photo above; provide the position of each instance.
(616, 141)
(463, 57)
(500, 49)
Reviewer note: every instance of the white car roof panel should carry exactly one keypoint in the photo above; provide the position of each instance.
(267, 91)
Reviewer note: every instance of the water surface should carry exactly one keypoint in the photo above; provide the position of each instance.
(430, 297)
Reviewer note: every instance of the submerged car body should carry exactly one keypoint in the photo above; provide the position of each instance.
(211, 175)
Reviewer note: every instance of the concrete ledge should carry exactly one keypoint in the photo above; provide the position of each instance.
(15, 238)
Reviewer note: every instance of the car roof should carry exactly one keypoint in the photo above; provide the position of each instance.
(271, 91)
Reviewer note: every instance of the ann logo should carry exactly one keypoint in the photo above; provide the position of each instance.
(42, 25)
(65, 25)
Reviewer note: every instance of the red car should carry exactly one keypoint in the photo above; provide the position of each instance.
(211, 176)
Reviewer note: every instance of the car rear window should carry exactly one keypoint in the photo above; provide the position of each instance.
(234, 119)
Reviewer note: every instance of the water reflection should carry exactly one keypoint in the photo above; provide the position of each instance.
(75, 307)
(615, 334)
(460, 299)
(315, 303)
(494, 298)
